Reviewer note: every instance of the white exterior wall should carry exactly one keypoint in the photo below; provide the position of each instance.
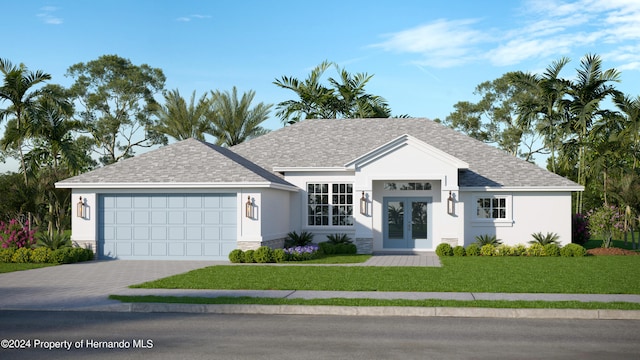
(275, 214)
(527, 212)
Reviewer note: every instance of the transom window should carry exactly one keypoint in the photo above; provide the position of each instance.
(492, 208)
(407, 185)
(330, 204)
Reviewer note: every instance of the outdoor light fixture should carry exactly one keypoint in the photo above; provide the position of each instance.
(451, 205)
(363, 204)
(248, 211)
(81, 209)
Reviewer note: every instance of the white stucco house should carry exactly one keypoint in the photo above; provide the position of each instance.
(392, 185)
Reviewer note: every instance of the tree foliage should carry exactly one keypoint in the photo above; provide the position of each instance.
(235, 120)
(180, 120)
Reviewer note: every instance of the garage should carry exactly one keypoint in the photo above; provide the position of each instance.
(166, 226)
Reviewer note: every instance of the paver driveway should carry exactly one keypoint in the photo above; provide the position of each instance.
(80, 285)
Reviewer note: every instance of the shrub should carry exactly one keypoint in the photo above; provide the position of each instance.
(487, 239)
(544, 239)
(458, 251)
(338, 239)
(580, 229)
(263, 255)
(519, 250)
(488, 250)
(248, 256)
(300, 253)
(61, 256)
(327, 248)
(80, 254)
(552, 249)
(41, 255)
(7, 254)
(535, 250)
(473, 250)
(294, 239)
(236, 256)
(15, 235)
(570, 250)
(346, 249)
(279, 255)
(22, 255)
(504, 250)
(444, 249)
(53, 241)
(608, 222)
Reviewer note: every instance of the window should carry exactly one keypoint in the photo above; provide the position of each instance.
(492, 208)
(330, 204)
(407, 186)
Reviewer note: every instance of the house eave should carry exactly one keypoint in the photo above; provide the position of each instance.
(521, 188)
(285, 169)
(173, 185)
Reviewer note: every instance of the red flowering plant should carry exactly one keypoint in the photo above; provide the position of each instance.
(15, 235)
(608, 222)
(580, 229)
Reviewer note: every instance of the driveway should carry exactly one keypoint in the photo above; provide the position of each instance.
(83, 285)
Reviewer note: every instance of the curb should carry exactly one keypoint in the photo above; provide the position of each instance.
(382, 311)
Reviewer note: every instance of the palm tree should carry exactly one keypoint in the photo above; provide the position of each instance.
(585, 94)
(18, 90)
(353, 101)
(631, 109)
(182, 121)
(234, 121)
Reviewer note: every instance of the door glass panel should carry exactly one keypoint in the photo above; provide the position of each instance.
(419, 220)
(395, 219)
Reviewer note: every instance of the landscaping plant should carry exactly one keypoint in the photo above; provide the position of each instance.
(608, 222)
(14, 235)
(487, 239)
(544, 239)
(444, 249)
(580, 229)
(294, 239)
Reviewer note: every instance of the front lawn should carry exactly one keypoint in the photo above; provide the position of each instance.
(10, 267)
(587, 275)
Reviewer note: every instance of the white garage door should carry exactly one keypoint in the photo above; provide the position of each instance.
(166, 226)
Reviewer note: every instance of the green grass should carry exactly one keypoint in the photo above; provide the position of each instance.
(595, 243)
(379, 302)
(336, 259)
(10, 267)
(587, 275)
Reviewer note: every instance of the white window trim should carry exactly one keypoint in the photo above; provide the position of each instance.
(508, 221)
(330, 226)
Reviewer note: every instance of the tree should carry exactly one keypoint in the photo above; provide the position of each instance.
(497, 117)
(234, 121)
(344, 98)
(118, 103)
(182, 121)
(18, 90)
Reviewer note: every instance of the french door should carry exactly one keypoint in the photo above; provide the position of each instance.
(406, 222)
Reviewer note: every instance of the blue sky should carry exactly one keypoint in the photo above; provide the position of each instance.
(425, 55)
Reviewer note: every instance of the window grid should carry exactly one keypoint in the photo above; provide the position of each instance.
(330, 204)
(492, 208)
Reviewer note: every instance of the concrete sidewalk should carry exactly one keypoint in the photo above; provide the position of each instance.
(86, 287)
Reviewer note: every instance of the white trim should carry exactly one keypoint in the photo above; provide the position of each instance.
(244, 185)
(507, 221)
(520, 188)
(399, 142)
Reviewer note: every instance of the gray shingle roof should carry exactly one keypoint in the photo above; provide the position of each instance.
(334, 143)
(187, 161)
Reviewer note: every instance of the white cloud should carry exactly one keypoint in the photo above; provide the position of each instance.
(47, 15)
(191, 17)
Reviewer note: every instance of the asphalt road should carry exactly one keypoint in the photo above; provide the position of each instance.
(208, 336)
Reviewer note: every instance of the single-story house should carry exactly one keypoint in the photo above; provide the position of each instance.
(392, 185)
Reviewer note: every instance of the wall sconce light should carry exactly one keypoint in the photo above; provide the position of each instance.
(363, 204)
(249, 208)
(451, 205)
(81, 209)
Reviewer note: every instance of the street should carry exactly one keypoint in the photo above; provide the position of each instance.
(113, 335)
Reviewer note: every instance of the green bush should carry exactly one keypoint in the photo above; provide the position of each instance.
(80, 254)
(54, 241)
(487, 239)
(459, 251)
(488, 250)
(535, 250)
(236, 256)
(61, 256)
(519, 250)
(552, 249)
(444, 249)
(7, 254)
(294, 239)
(327, 248)
(263, 255)
(571, 250)
(22, 255)
(338, 239)
(279, 255)
(346, 249)
(473, 250)
(248, 256)
(40, 255)
(504, 250)
(544, 239)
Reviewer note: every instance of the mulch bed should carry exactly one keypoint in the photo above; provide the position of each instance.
(611, 251)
